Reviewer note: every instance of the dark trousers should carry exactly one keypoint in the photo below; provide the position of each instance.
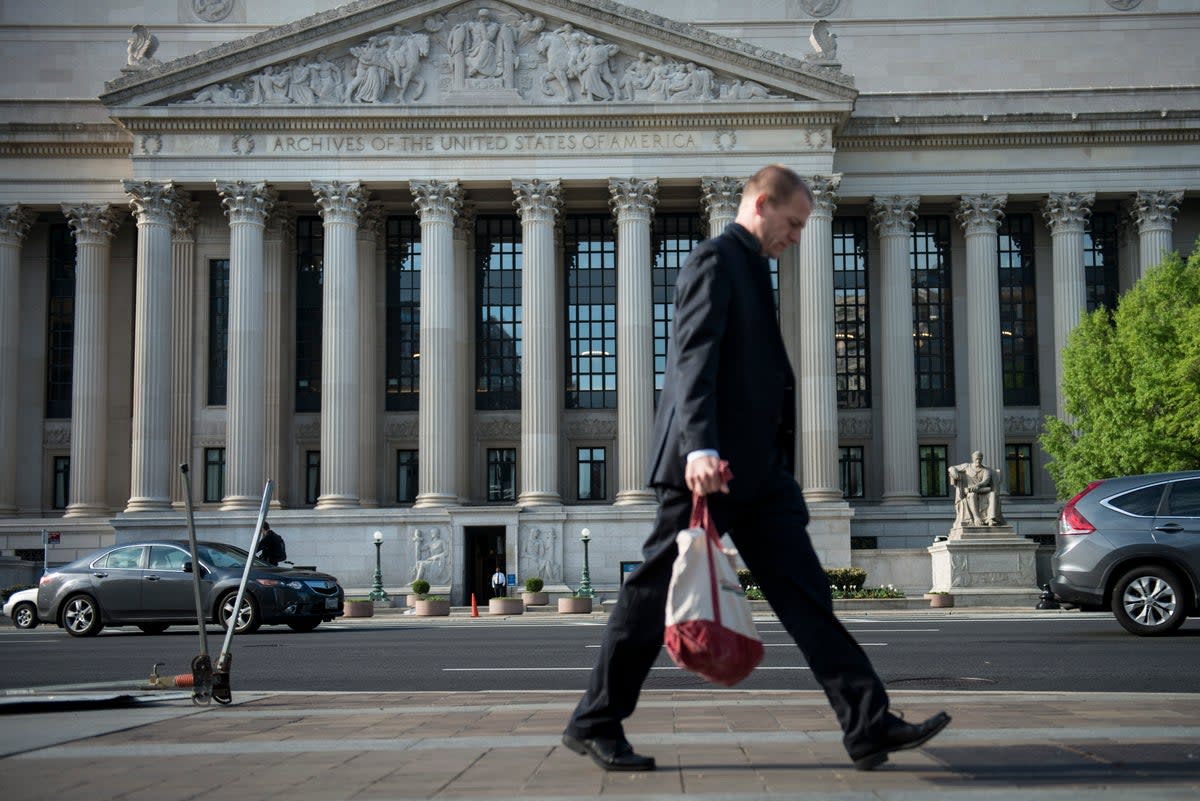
(770, 533)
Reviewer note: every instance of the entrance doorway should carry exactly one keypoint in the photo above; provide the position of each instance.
(485, 552)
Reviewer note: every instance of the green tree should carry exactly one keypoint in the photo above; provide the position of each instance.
(1131, 380)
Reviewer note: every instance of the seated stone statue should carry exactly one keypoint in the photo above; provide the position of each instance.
(976, 502)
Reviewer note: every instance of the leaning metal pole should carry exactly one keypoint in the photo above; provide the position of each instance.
(221, 689)
(202, 673)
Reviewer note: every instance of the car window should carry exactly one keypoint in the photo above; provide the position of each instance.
(1141, 502)
(166, 557)
(1184, 500)
(122, 558)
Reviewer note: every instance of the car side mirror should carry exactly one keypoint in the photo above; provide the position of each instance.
(187, 568)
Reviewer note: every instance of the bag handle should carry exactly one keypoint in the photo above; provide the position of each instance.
(712, 541)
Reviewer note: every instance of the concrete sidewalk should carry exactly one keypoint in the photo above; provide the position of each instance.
(715, 745)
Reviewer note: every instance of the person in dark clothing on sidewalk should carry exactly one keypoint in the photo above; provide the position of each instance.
(728, 396)
(270, 546)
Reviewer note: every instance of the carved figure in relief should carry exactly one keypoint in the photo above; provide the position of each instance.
(299, 88)
(404, 52)
(538, 559)
(430, 559)
(371, 74)
(221, 94)
(635, 77)
(596, 79)
(745, 90)
(484, 47)
(976, 502)
(270, 86)
(560, 49)
(326, 81)
(693, 83)
(662, 77)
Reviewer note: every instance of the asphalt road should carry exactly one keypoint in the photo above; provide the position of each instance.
(1058, 652)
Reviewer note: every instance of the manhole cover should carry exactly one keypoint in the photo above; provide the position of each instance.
(940, 683)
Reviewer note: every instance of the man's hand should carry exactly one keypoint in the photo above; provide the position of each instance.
(703, 475)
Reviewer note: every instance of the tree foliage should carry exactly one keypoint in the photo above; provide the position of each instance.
(1131, 380)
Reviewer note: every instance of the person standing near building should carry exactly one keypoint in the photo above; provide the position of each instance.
(728, 397)
(499, 583)
(271, 548)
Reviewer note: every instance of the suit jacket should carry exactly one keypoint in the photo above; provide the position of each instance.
(728, 383)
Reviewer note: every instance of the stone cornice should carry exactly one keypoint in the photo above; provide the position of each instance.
(315, 31)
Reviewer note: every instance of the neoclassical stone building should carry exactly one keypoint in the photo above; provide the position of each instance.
(412, 262)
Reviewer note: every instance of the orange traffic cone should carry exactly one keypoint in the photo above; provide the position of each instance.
(474, 607)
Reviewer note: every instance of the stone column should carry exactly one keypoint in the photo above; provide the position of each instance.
(278, 238)
(538, 203)
(818, 421)
(437, 204)
(340, 204)
(183, 354)
(980, 217)
(247, 205)
(464, 329)
(721, 197)
(371, 398)
(894, 217)
(633, 203)
(150, 464)
(1066, 213)
(94, 227)
(14, 225)
(1155, 214)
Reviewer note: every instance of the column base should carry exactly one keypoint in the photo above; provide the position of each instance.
(87, 510)
(239, 503)
(429, 500)
(823, 494)
(539, 499)
(631, 497)
(337, 502)
(148, 505)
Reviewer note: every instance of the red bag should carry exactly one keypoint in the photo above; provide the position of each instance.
(710, 627)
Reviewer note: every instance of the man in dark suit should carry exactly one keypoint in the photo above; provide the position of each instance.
(728, 398)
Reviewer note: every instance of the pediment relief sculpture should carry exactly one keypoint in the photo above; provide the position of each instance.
(481, 54)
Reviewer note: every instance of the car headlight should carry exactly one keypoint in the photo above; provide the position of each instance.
(290, 584)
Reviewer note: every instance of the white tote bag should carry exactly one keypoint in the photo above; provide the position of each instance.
(710, 627)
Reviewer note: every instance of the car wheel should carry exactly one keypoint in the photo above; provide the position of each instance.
(154, 628)
(25, 616)
(304, 624)
(247, 619)
(1149, 601)
(81, 616)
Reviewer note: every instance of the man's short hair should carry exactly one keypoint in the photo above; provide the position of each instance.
(778, 183)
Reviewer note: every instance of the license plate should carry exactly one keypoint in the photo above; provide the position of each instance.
(331, 603)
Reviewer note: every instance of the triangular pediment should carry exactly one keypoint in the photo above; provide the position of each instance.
(394, 54)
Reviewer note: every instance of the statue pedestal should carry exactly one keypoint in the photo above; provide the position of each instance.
(985, 566)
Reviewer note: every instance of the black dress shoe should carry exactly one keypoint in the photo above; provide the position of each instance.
(609, 753)
(897, 735)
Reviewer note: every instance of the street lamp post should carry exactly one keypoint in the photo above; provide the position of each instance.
(585, 581)
(377, 591)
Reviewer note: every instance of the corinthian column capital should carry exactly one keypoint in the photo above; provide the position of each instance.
(14, 223)
(464, 223)
(537, 200)
(1156, 208)
(824, 190)
(634, 198)
(152, 202)
(184, 221)
(246, 201)
(894, 214)
(436, 201)
(1068, 212)
(92, 223)
(281, 222)
(981, 214)
(721, 196)
(340, 201)
(370, 224)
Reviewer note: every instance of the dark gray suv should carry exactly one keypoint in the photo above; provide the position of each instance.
(1132, 545)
